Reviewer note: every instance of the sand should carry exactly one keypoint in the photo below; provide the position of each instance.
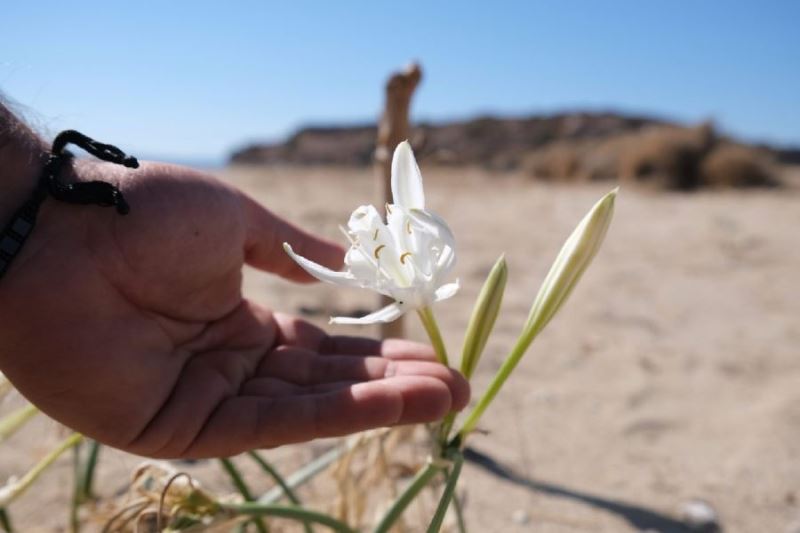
(672, 374)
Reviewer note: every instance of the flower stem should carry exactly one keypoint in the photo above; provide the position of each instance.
(445, 427)
(419, 482)
(494, 387)
(447, 495)
(432, 329)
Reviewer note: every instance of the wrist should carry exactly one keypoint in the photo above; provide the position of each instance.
(22, 157)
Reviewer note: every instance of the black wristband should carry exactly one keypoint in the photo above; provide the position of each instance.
(100, 193)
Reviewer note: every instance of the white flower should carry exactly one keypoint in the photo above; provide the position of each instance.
(406, 258)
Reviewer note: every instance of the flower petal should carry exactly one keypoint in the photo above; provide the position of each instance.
(322, 273)
(446, 291)
(434, 224)
(365, 218)
(387, 314)
(406, 179)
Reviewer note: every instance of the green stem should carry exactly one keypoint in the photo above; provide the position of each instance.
(432, 329)
(74, 523)
(5, 521)
(444, 429)
(447, 495)
(84, 479)
(494, 387)
(87, 476)
(462, 525)
(12, 422)
(270, 471)
(33, 474)
(419, 482)
(237, 479)
(244, 490)
(287, 511)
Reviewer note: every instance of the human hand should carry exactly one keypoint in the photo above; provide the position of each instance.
(133, 330)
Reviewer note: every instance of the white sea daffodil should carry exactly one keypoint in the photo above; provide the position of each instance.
(407, 258)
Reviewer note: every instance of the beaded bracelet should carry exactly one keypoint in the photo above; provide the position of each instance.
(100, 193)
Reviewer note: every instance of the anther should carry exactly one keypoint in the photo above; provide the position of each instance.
(375, 237)
(403, 258)
(377, 251)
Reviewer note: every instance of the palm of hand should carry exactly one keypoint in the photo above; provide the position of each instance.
(134, 330)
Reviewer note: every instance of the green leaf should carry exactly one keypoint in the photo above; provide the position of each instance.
(244, 490)
(292, 512)
(420, 481)
(5, 521)
(271, 472)
(307, 472)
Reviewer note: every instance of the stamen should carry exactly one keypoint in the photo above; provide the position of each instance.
(375, 237)
(378, 251)
(403, 258)
(408, 226)
(388, 209)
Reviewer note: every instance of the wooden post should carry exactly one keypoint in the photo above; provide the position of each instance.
(392, 130)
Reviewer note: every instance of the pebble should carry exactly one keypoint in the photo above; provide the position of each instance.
(699, 516)
(521, 517)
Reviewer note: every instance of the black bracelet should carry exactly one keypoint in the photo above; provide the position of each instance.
(99, 193)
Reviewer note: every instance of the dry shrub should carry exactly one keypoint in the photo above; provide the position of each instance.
(732, 165)
(667, 156)
(557, 161)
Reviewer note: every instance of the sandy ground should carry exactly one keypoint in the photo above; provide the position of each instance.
(673, 373)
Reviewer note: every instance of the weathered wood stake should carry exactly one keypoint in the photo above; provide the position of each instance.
(392, 130)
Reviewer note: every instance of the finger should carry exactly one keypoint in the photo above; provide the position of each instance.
(250, 422)
(277, 387)
(297, 332)
(389, 348)
(304, 367)
(265, 236)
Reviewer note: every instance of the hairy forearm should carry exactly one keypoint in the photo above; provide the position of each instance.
(21, 158)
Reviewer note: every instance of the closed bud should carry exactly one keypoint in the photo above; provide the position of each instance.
(484, 316)
(571, 262)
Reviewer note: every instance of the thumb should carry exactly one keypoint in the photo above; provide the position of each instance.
(265, 235)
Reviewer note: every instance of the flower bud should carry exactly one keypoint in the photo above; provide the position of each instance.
(571, 262)
(484, 316)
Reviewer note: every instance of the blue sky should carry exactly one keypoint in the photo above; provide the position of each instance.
(192, 80)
